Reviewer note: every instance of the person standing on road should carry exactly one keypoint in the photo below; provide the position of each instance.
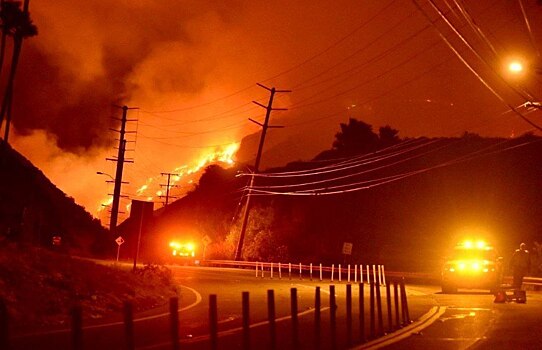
(520, 264)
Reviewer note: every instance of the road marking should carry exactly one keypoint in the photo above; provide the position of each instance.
(230, 331)
(118, 323)
(325, 291)
(416, 327)
(457, 317)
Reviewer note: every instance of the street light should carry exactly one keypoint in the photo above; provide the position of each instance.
(517, 68)
(102, 173)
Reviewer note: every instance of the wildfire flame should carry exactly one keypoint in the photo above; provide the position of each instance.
(222, 155)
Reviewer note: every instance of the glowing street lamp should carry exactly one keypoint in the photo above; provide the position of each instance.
(515, 67)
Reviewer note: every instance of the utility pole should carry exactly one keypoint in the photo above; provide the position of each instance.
(265, 126)
(168, 186)
(120, 166)
(8, 96)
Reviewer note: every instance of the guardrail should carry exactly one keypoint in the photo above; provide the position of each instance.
(350, 271)
(339, 272)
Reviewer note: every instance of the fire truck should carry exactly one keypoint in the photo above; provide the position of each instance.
(183, 252)
(472, 265)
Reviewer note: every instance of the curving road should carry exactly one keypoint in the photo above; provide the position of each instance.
(460, 321)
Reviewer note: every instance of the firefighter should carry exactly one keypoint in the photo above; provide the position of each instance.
(520, 264)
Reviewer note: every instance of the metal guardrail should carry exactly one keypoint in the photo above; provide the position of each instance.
(535, 282)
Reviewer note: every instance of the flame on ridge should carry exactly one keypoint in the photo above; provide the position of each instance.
(222, 155)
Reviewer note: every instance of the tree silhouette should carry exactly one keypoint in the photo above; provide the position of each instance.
(356, 137)
(388, 136)
(19, 26)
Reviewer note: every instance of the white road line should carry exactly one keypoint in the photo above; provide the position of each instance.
(111, 324)
(229, 331)
(416, 327)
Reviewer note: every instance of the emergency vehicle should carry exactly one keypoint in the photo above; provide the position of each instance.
(184, 253)
(472, 265)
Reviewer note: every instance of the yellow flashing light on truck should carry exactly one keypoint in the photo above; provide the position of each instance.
(182, 249)
(472, 265)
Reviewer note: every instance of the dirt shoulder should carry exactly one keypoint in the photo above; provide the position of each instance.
(40, 287)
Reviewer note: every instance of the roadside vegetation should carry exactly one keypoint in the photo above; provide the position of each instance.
(40, 287)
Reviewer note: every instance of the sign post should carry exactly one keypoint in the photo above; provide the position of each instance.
(119, 241)
(347, 249)
(206, 241)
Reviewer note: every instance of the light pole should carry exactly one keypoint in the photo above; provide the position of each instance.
(102, 173)
(517, 68)
(114, 208)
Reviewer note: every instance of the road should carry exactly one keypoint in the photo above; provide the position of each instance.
(460, 321)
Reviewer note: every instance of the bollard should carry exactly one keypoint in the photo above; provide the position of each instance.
(374, 274)
(295, 322)
(368, 274)
(4, 325)
(262, 270)
(361, 312)
(271, 319)
(380, 330)
(349, 314)
(396, 300)
(320, 271)
(383, 276)
(404, 303)
(300, 272)
(257, 269)
(356, 273)
(372, 325)
(332, 316)
(129, 325)
(332, 271)
(380, 275)
(271, 270)
(348, 273)
(339, 272)
(310, 270)
(280, 273)
(317, 318)
(246, 321)
(77, 327)
(174, 322)
(388, 304)
(213, 322)
(290, 270)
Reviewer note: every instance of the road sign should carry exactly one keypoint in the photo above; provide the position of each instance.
(119, 240)
(206, 240)
(347, 248)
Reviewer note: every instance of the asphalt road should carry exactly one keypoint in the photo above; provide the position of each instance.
(460, 321)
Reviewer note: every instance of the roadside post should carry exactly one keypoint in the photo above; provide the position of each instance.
(347, 250)
(119, 241)
(206, 240)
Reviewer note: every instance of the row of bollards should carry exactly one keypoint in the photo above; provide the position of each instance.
(398, 306)
(376, 320)
(336, 273)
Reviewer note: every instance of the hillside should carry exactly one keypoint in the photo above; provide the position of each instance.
(33, 210)
(403, 207)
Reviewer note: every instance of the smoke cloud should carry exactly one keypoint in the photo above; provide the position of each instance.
(191, 68)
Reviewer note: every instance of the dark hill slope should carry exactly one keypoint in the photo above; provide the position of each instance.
(33, 210)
